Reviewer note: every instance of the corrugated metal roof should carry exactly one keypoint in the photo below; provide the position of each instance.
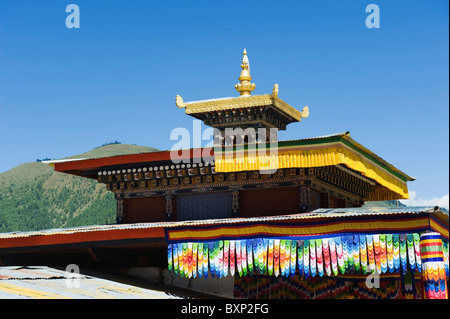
(319, 137)
(321, 213)
(357, 211)
(50, 162)
(318, 213)
(42, 282)
(81, 229)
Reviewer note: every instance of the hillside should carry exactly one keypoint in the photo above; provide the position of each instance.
(34, 197)
(114, 149)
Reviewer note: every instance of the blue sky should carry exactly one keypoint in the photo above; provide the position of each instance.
(66, 91)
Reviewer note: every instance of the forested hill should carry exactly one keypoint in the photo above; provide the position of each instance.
(33, 196)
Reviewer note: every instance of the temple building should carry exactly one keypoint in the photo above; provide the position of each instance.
(332, 171)
(268, 218)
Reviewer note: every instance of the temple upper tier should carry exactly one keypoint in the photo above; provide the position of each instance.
(245, 111)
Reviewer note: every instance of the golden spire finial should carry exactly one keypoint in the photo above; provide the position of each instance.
(245, 87)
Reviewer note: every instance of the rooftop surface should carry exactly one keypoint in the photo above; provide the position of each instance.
(42, 282)
(150, 232)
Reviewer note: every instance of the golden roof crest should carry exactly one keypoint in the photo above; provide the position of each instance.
(245, 87)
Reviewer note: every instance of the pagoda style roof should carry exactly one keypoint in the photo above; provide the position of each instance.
(265, 111)
(330, 140)
(330, 150)
(242, 102)
(91, 166)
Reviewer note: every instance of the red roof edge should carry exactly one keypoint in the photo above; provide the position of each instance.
(96, 163)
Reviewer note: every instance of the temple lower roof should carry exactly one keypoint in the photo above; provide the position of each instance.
(357, 220)
(331, 150)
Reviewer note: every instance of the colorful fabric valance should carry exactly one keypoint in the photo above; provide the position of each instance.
(290, 154)
(305, 226)
(348, 254)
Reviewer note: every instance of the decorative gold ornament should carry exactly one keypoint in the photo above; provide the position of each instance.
(305, 112)
(275, 91)
(179, 102)
(245, 87)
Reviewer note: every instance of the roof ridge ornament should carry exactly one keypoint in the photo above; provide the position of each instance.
(179, 102)
(245, 87)
(245, 59)
(305, 112)
(274, 91)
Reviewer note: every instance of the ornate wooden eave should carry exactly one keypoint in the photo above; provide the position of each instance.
(245, 111)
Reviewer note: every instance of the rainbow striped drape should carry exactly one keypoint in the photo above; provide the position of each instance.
(434, 265)
(346, 254)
